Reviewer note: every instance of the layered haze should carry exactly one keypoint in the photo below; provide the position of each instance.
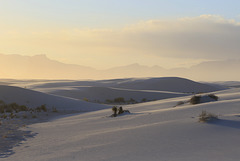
(41, 67)
(169, 43)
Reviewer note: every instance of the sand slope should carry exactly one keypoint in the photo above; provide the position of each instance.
(135, 88)
(10, 94)
(154, 131)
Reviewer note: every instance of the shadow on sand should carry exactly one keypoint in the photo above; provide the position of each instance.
(226, 123)
(12, 139)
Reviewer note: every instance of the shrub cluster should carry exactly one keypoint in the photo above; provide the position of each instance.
(14, 108)
(196, 99)
(121, 100)
(118, 111)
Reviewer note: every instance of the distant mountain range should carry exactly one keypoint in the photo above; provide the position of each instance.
(41, 67)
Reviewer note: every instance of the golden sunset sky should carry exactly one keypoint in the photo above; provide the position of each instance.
(108, 33)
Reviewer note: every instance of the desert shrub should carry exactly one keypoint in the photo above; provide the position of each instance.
(85, 99)
(206, 117)
(23, 108)
(108, 101)
(12, 115)
(4, 116)
(195, 100)
(120, 110)
(131, 100)
(114, 109)
(213, 96)
(117, 111)
(41, 108)
(119, 100)
(34, 116)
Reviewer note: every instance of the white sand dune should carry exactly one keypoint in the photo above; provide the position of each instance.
(154, 131)
(135, 88)
(103, 93)
(10, 94)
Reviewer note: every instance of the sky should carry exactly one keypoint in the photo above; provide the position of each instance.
(108, 33)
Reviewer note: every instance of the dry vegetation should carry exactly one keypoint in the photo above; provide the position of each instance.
(206, 117)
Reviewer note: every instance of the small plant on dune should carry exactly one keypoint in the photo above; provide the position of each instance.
(41, 108)
(206, 117)
(131, 100)
(195, 100)
(12, 115)
(23, 108)
(4, 116)
(114, 109)
(85, 99)
(108, 101)
(213, 96)
(120, 110)
(119, 100)
(44, 108)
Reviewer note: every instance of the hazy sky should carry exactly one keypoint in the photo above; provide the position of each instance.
(107, 33)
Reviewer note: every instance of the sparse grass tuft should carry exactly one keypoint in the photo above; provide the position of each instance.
(206, 117)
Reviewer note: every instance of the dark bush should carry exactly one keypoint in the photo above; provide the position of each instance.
(108, 101)
(213, 96)
(195, 100)
(120, 110)
(41, 108)
(114, 109)
(132, 100)
(119, 100)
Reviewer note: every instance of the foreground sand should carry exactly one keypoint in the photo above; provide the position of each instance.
(153, 131)
(14, 131)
